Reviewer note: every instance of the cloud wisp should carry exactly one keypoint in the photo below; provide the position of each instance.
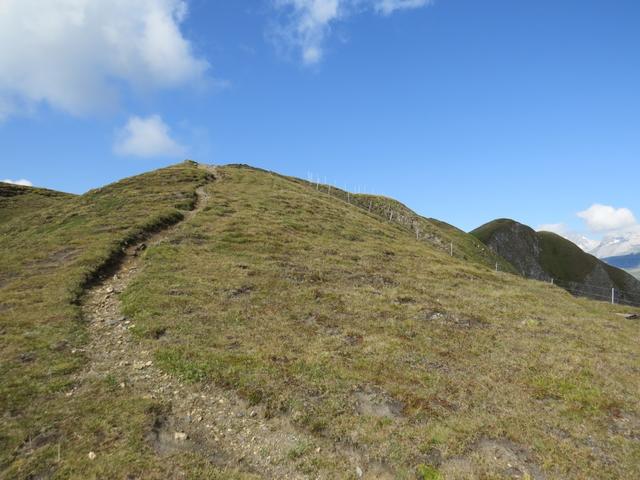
(146, 138)
(389, 6)
(76, 56)
(24, 182)
(306, 24)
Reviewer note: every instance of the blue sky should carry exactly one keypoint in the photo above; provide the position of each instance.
(465, 110)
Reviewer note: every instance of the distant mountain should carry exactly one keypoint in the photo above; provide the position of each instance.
(585, 243)
(618, 245)
(546, 256)
(630, 263)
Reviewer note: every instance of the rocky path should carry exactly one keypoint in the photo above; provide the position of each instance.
(203, 418)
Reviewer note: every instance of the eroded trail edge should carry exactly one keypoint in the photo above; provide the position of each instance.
(201, 418)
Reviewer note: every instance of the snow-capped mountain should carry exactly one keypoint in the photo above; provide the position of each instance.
(617, 245)
(585, 243)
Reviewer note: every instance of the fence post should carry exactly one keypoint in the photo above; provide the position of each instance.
(613, 296)
(496, 266)
(451, 249)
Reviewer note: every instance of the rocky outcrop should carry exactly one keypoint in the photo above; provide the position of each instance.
(520, 246)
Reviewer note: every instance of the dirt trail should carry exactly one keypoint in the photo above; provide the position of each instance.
(203, 418)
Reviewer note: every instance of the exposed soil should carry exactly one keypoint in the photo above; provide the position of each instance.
(377, 404)
(493, 459)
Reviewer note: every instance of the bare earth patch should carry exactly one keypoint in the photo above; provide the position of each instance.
(493, 459)
(377, 404)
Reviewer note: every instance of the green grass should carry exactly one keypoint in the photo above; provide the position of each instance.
(16, 200)
(52, 244)
(437, 233)
(304, 304)
(426, 472)
(296, 300)
(564, 260)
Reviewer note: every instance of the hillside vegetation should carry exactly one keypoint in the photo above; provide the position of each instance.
(367, 350)
(52, 244)
(439, 234)
(547, 256)
(16, 200)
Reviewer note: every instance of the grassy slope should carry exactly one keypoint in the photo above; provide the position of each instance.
(16, 200)
(429, 230)
(563, 259)
(299, 300)
(51, 245)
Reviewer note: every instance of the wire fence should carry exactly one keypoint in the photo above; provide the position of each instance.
(389, 210)
(598, 292)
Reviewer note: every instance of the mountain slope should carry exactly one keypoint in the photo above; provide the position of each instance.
(351, 346)
(547, 256)
(441, 235)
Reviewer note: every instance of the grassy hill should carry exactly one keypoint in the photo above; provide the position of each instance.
(439, 234)
(295, 335)
(546, 256)
(16, 200)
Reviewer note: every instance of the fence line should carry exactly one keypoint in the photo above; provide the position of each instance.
(411, 222)
(611, 293)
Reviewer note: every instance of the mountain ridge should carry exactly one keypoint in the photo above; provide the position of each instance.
(548, 256)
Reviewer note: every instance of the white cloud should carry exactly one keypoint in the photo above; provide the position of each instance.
(390, 6)
(307, 23)
(23, 182)
(147, 137)
(75, 55)
(602, 218)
